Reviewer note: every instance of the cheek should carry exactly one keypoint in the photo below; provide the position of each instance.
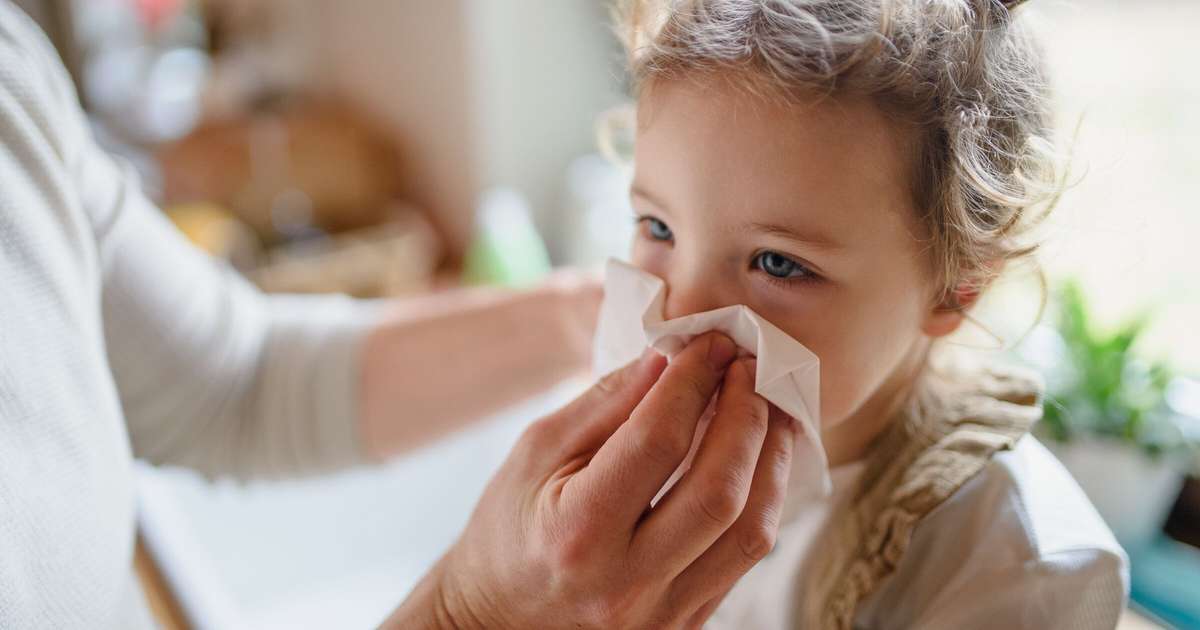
(860, 347)
(649, 256)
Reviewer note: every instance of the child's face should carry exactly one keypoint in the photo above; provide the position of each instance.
(803, 214)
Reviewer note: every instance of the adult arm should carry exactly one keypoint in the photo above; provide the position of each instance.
(215, 376)
(434, 364)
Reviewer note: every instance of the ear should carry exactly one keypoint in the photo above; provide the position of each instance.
(946, 316)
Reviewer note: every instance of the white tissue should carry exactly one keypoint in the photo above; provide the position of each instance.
(788, 374)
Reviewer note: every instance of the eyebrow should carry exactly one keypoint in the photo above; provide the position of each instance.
(636, 190)
(812, 239)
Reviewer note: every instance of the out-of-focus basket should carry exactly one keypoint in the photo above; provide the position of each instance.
(394, 258)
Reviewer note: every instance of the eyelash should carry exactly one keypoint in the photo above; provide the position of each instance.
(807, 276)
(645, 222)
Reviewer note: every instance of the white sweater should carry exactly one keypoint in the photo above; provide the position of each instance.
(119, 340)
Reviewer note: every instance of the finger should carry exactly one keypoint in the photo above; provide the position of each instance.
(586, 422)
(632, 466)
(752, 536)
(711, 496)
(699, 617)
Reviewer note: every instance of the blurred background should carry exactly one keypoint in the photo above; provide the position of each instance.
(390, 148)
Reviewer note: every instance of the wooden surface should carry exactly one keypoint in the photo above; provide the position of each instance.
(163, 605)
(1133, 621)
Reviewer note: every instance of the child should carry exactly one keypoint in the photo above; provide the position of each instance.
(857, 172)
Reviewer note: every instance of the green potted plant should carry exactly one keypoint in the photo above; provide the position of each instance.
(1107, 420)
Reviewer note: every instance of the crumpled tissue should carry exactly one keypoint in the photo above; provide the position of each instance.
(788, 374)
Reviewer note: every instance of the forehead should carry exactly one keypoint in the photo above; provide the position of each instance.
(711, 144)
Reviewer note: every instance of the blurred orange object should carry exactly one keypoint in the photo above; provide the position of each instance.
(216, 231)
(164, 605)
(155, 12)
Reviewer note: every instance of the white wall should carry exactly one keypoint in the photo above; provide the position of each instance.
(544, 70)
(406, 64)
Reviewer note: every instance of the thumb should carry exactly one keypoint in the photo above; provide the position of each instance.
(587, 422)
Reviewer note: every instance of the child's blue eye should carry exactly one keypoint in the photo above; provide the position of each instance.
(780, 266)
(657, 229)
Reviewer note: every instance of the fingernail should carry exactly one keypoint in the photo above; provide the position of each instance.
(721, 351)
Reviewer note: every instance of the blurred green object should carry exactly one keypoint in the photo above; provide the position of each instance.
(1108, 391)
(507, 250)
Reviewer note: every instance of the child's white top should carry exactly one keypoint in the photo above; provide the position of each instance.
(1018, 547)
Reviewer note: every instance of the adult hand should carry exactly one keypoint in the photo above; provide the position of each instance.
(564, 536)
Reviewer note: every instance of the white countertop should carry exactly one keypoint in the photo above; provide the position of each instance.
(338, 551)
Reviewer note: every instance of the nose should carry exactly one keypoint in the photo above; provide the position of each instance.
(691, 292)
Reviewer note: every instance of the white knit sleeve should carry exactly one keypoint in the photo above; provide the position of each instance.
(212, 375)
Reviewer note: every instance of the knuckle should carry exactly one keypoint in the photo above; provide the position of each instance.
(754, 413)
(756, 542)
(570, 551)
(720, 504)
(608, 384)
(777, 455)
(779, 462)
(612, 609)
(540, 435)
(758, 410)
(661, 441)
(537, 431)
(611, 383)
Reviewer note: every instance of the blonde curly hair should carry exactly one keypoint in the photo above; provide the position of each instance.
(968, 74)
